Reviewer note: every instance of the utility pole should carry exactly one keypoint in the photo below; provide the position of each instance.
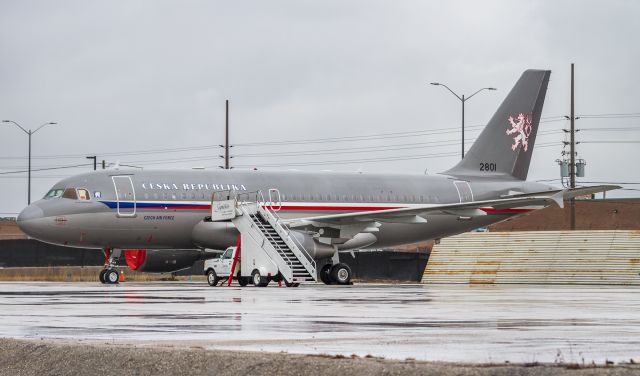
(95, 161)
(463, 100)
(572, 164)
(226, 136)
(226, 145)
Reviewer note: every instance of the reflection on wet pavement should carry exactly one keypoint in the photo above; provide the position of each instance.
(446, 323)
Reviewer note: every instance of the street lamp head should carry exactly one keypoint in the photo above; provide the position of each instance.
(491, 88)
(6, 121)
(52, 123)
(435, 83)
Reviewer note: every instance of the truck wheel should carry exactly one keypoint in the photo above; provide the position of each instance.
(258, 280)
(324, 274)
(212, 277)
(242, 281)
(341, 274)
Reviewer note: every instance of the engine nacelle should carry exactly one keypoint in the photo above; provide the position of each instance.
(161, 260)
(316, 249)
(214, 235)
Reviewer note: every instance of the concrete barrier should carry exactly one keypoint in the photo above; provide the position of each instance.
(537, 257)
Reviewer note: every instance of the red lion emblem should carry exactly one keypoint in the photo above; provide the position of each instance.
(522, 129)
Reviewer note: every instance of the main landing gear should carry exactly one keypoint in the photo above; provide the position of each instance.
(109, 275)
(338, 274)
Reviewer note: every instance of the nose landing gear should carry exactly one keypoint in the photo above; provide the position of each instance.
(110, 275)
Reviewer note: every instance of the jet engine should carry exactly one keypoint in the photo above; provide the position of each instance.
(161, 260)
(316, 249)
(214, 235)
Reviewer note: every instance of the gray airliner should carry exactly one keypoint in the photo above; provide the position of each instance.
(160, 217)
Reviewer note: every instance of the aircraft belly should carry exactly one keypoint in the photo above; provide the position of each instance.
(438, 226)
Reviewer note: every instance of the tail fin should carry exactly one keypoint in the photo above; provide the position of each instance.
(505, 145)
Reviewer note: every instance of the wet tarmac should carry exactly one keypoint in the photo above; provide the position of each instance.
(440, 323)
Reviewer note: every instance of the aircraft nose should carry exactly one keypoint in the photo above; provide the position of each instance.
(27, 219)
(30, 212)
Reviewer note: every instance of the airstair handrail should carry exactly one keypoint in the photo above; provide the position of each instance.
(270, 210)
(289, 235)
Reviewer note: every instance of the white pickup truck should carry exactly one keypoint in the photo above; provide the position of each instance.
(218, 269)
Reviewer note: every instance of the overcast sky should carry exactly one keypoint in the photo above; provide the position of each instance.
(137, 81)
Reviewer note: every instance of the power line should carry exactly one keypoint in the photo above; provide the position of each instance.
(378, 136)
(612, 129)
(374, 136)
(611, 182)
(610, 116)
(45, 169)
(367, 160)
(348, 161)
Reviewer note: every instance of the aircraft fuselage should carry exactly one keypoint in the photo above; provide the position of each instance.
(160, 209)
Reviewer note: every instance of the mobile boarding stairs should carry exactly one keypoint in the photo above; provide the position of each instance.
(267, 245)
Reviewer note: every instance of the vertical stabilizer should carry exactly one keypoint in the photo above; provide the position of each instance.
(505, 145)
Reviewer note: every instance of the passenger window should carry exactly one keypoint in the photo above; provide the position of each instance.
(83, 194)
(70, 193)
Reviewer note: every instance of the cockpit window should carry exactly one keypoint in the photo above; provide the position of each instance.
(70, 193)
(54, 193)
(83, 194)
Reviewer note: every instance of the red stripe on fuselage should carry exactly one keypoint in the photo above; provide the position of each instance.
(323, 208)
(500, 211)
(336, 208)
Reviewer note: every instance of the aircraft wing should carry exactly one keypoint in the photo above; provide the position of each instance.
(419, 213)
(569, 193)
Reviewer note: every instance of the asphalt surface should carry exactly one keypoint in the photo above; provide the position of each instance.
(470, 324)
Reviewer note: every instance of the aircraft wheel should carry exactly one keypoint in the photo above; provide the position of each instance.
(111, 276)
(325, 276)
(212, 277)
(258, 280)
(101, 276)
(341, 274)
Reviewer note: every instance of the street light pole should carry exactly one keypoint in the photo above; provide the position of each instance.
(29, 134)
(462, 99)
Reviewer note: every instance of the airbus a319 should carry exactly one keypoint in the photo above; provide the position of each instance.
(159, 218)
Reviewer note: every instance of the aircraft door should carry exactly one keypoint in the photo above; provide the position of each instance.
(125, 196)
(464, 191)
(274, 199)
